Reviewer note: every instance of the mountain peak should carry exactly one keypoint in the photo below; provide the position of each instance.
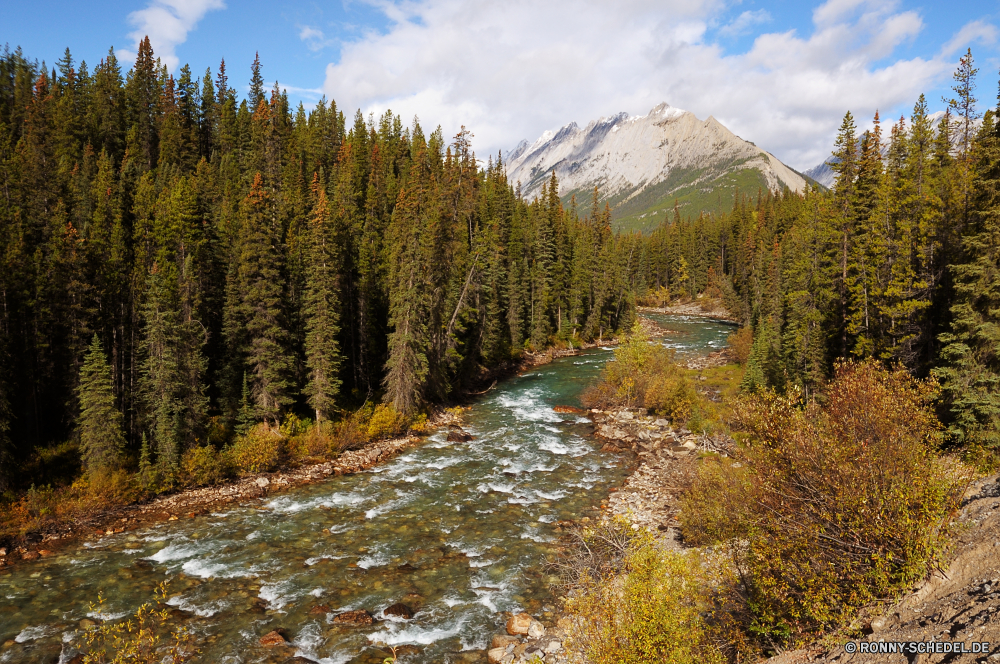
(642, 164)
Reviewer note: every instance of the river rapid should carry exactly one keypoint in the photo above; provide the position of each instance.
(456, 531)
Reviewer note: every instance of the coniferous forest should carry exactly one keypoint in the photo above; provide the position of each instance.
(178, 264)
(900, 262)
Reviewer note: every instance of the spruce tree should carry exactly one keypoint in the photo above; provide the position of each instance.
(102, 443)
(263, 305)
(321, 311)
(971, 376)
(161, 378)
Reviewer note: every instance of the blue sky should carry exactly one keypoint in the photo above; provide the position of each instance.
(780, 73)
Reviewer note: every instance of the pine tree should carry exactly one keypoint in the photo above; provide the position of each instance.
(971, 377)
(321, 311)
(261, 286)
(102, 442)
(161, 380)
(245, 415)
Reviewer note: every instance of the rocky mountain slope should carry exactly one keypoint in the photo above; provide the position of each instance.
(643, 164)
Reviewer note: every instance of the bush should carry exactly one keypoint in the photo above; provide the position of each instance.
(259, 450)
(146, 637)
(384, 422)
(740, 344)
(648, 611)
(204, 465)
(643, 375)
(828, 509)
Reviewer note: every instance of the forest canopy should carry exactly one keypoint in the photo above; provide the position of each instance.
(177, 263)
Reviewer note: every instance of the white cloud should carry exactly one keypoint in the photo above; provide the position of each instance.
(313, 37)
(167, 23)
(509, 70)
(744, 22)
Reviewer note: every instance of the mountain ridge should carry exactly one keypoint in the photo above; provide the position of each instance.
(643, 164)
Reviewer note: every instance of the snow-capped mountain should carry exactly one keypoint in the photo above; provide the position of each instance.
(643, 164)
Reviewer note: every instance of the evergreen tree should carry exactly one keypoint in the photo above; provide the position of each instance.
(262, 306)
(971, 377)
(102, 442)
(321, 311)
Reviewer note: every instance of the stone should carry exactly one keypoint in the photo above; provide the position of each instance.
(399, 610)
(502, 641)
(536, 630)
(29, 555)
(262, 482)
(275, 638)
(519, 623)
(87, 623)
(458, 436)
(495, 655)
(552, 646)
(359, 617)
(319, 609)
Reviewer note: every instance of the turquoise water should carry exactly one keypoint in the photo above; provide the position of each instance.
(456, 531)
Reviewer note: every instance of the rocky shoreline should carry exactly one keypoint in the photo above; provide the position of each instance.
(194, 502)
(704, 308)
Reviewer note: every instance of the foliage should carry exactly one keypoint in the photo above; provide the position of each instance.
(101, 439)
(146, 637)
(644, 375)
(205, 465)
(740, 343)
(648, 609)
(259, 450)
(829, 507)
(385, 421)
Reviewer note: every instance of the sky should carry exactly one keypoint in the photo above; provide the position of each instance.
(780, 73)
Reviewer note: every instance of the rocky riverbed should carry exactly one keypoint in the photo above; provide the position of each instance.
(201, 500)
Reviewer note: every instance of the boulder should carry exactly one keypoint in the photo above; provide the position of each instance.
(502, 641)
(458, 436)
(495, 655)
(519, 623)
(536, 630)
(359, 617)
(399, 610)
(262, 482)
(319, 609)
(275, 638)
(29, 555)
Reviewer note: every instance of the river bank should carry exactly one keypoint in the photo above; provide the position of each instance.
(189, 503)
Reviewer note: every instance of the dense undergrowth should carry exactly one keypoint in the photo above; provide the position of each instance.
(261, 448)
(825, 506)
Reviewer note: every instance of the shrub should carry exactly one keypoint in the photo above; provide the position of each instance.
(671, 395)
(385, 421)
(259, 450)
(146, 637)
(740, 343)
(351, 432)
(643, 375)
(204, 465)
(647, 611)
(828, 509)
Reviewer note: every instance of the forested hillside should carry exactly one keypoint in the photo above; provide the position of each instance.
(900, 262)
(178, 263)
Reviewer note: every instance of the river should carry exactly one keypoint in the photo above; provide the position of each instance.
(456, 531)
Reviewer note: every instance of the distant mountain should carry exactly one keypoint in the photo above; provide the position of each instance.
(822, 174)
(642, 165)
